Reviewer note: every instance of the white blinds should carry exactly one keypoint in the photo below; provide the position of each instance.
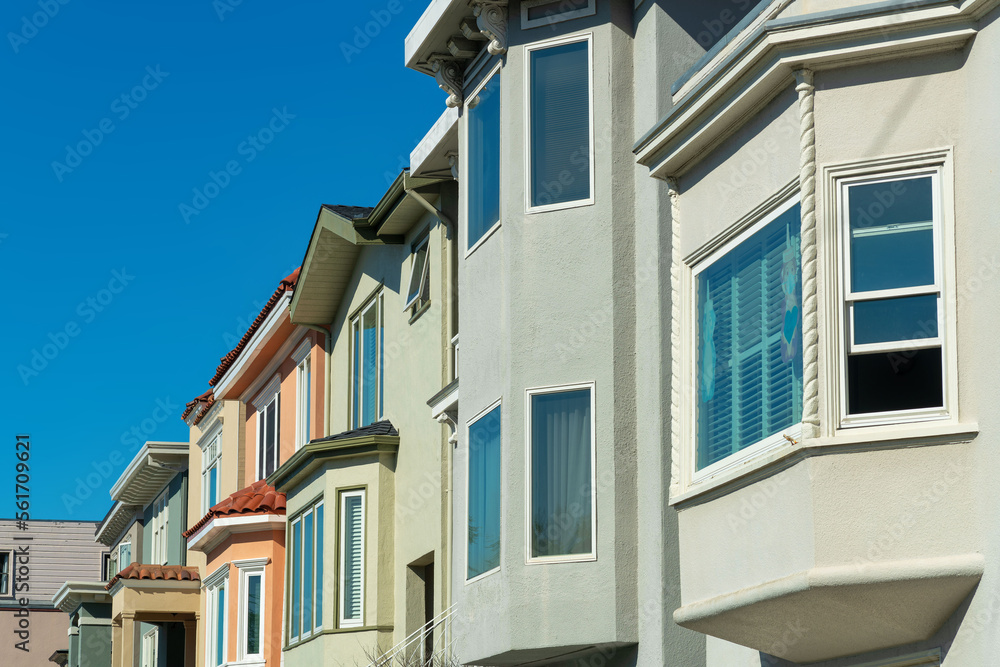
(352, 557)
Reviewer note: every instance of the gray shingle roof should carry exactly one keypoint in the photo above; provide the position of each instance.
(383, 427)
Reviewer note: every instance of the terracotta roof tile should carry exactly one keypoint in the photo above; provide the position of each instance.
(287, 284)
(258, 498)
(165, 572)
(203, 403)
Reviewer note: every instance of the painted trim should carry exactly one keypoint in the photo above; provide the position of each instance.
(552, 18)
(557, 389)
(538, 46)
(303, 350)
(219, 528)
(242, 615)
(342, 555)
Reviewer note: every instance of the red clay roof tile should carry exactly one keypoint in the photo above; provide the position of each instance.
(202, 403)
(165, 572)
(258, 498)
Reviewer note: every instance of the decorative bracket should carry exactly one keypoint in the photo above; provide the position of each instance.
(448, 75)
(491, 17)
(453, 163)
(451, 419)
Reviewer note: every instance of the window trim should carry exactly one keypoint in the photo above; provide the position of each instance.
(361, 492)
(159, 540)
(290, 554)
(423, 241)
(568, 15)
(270, 393)
(212, 439)
(377, 301)
(247, 570)
(118, 555)
(495, 70)
(212, 584)
(303, 398)
(555, 389)
(468, 462)
(528, 50)
(837, 178)
(704, 258)
(9, 593)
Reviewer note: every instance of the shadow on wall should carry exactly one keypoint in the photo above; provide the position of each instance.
(707, 21)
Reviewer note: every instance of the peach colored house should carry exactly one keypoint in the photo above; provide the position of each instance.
(265, 403)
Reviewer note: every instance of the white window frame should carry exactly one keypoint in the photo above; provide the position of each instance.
(342, 557)
(212, 584)
(270, 393)
(211, 457)
(247, 569)
(118, 556)
(468, 462)
(9, 592)
(377, 302)
(303, 632)
(559, 17)
(150, 644)
(160, 520)
(555, 389)
(464, 164)
(938, 165)
(424, 277)
(303, 393)
(700, 261)
(528, 50)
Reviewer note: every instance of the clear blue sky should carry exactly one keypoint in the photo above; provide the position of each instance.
(152, 336)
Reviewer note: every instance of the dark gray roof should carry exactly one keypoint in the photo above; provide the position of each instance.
(383, 427)
(349, 212)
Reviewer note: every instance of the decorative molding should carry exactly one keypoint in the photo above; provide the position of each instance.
(807, 187)
(220, 575)
(451, 419)
(453, 163)
(675, 337)
(265, 395)
(448, 74)
(251, 563)
(491, 17)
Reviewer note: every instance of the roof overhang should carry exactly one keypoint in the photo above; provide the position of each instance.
(445, 401)
(151, 469)
(232, 382)
(213, 533)
(397, 213)
(117, 520)
(314, 454)
(436, 154)
(442, 20)
(74, 593)
(760, 63)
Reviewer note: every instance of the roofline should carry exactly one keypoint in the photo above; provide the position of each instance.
(71, 588)
(150, 449)
(218, 528)
(311, 455)
(263, 333)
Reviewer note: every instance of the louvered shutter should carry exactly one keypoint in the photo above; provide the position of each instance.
(353, 555)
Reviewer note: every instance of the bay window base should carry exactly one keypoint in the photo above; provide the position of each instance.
(830, 612)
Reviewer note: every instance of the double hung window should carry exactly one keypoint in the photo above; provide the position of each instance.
(749, 340)
(303, 397)
(368, 339)
(482, 174)
(251, 619)
(352, 558)
(484, 494)
(562, 516)
(216, 588)
(560, 130)
(892, 295)
(306, 590)
(210, 473)
(268, 429)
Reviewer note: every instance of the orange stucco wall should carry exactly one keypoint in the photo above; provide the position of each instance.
(288, 408)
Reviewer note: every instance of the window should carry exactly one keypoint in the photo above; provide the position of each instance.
(368, 338)
(484, 494)
(560, 157)
(106, 565)
(210, 473)
(352, 555)
(251, 620)
(149, 646)
(892, 296)
(306, 594)
(158, 523)
(268, 428)
(749, 340)
(482, 173)
(417, 292)
(215, 607)
(562, 515)
(6, 567)
(303, 395)
(124, 556)
(536, 13)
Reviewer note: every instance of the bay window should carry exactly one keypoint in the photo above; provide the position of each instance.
(482, 173)
(560, 169)
(352, 558)
(892, 291)
(368, 339)
(749, 340)
(306, 563)
(484, 494)
(562, 515)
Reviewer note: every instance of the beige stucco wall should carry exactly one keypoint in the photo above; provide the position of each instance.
(47, 634)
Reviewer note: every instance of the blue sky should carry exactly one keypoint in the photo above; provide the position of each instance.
(129, 268)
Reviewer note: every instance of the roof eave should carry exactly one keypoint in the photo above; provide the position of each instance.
(317, 452)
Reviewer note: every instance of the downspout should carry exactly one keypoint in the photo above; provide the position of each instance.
(446, 489)
(327, 367)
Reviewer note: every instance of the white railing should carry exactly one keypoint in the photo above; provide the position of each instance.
(429, 646)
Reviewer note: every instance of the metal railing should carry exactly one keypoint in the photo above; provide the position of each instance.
(428, 646)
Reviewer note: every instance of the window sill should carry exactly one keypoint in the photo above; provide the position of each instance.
(419, 310)
(845, 441)
(336, 631)
(482, 239)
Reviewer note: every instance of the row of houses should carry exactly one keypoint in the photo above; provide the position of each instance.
(725, 284)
